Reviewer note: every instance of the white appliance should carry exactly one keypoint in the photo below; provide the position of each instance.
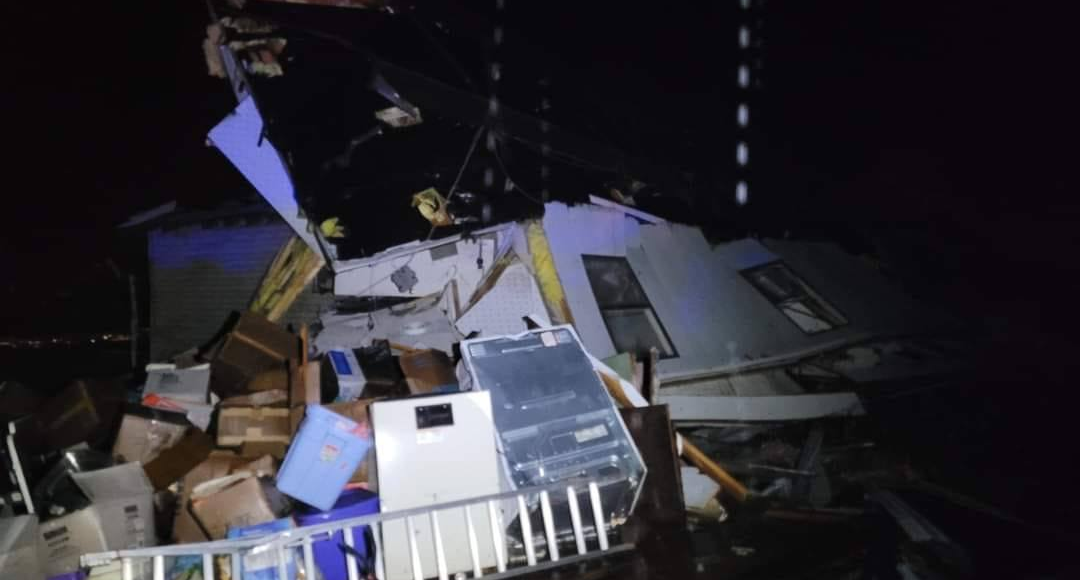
(556, 421)
(429, 450)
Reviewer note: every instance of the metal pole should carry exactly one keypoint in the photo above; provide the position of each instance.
(549, 526)
(575, 519)
(598, 515)
(526, 531)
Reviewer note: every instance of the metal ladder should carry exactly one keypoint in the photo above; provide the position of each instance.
(282, 543)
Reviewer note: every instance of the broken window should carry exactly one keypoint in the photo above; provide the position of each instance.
(809, 311)
(629, 316)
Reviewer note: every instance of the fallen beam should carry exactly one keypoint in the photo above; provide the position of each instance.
(625, 395)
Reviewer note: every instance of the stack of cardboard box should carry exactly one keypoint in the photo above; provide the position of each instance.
(197, 458)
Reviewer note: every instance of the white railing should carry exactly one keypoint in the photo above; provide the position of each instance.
(304, 538)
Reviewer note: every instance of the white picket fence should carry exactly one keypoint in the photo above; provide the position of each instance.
(283, 543)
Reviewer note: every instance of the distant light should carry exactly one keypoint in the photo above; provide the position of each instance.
(92, 341)
(498, 35)
(745, 4)
(742, 153)
(744, 76)
(742, 115)
(496, 71)
(742, 193)
(744, 37)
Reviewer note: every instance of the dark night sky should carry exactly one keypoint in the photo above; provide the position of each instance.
(937, 129)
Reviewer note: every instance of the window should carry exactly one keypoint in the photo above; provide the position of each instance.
(794, 298)
(627, 313)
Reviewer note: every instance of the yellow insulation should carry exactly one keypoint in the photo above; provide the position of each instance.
(544, 268)
(292, 270)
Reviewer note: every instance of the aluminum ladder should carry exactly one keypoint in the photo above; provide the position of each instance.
(303, 538)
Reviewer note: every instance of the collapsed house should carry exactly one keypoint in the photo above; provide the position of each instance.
(745, 330)
(742, 340)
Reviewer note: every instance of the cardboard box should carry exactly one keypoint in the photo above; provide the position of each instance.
(19, 556)
(218, 464)
(63, 540)
(252, 346)
(82, 411)
(141, 439)
(275, 379)
(186, 528)
(357, 411)
(175, 462)
(305, 387)
(190, 385)
(124, 500)
(180, 390)
(274, 398)
(221, 463)
(275, 450)
(240, 425)
(428, 371)
(239, 504)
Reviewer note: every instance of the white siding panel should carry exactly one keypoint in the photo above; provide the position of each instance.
(241, 138)
(851, 285)
(572, 232)
(682, 292)
(432, 275)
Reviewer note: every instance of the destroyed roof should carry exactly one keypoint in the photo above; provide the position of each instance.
(339, 67)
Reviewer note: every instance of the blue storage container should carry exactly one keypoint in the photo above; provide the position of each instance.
(329, 556)
(323, 456)
(263, 564)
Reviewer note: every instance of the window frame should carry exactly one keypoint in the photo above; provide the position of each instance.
(647, 305)
(808, 291)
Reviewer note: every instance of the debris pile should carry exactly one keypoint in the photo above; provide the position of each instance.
(251, 437)
(538, 384)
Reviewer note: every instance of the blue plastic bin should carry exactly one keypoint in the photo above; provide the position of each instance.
(79, 575)
(329, 556)
(323, 456)
(264, 565)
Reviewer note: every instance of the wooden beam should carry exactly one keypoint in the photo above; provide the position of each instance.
(687, 449)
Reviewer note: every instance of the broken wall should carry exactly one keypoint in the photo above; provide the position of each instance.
(200, 273)
(714, 317)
